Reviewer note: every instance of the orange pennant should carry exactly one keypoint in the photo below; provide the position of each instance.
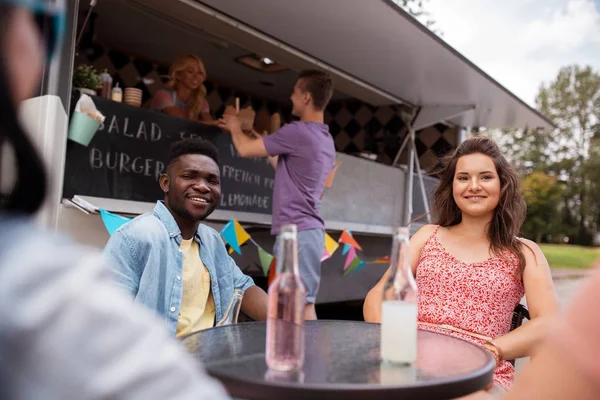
(382, 260)
(346, 238)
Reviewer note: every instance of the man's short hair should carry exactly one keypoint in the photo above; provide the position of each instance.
(193, 146)
(319, 85)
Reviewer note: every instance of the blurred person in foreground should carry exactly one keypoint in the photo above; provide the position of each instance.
(567, 366)
(66, 332)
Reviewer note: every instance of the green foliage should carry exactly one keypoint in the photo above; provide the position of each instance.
(569, 156)
(543, 195)
(86, 77)
(571, 257)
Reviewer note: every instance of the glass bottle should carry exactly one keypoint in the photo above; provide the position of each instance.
(399, 306)
(233, 309)
(106, 84)
(117, 94)
(287, 297)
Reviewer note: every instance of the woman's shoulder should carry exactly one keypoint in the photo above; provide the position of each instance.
(426, 230)
(423, 234)
(162, 98)
(531, 250)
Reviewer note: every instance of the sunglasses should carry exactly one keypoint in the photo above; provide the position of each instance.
(49, 16)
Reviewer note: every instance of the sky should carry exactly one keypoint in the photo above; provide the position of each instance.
(521, 43)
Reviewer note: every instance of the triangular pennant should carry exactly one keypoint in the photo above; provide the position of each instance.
(360, 266)
(331, 176)
(240, 233)
(330, 244)
(111, 221)
(346, 248)
(228, 233)
(382, 260)
(355, 265)
(350, 257)
(325, 255)
(265, 260)
(347, 238)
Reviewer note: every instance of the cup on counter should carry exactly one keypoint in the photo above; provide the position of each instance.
(133, 97)
(82, 128)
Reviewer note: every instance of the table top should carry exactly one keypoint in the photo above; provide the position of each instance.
(342, 360)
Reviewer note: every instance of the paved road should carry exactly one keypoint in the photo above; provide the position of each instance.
(567, 283)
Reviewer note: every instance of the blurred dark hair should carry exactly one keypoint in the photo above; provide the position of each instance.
(511, 210)
(29, 190)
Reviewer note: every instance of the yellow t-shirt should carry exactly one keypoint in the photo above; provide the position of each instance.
(197, 310)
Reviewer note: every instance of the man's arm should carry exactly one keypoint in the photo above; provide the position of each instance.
(255, 303)
(120, 252)
(255, 299)
(244, 144)
(272, 159)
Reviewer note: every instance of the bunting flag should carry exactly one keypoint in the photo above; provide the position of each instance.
(111, 221)
(350, 257)
(354, 266)
(241, 234)
(382, 260)
(346, 248)
(347, 239)
(265, 260)
(330, 247)
(331, 176)
(234, 235)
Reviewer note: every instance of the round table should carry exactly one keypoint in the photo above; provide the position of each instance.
(342, 361)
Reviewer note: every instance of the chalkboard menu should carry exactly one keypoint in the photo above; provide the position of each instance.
(128, 153)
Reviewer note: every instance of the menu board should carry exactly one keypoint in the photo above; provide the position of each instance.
(128, 154)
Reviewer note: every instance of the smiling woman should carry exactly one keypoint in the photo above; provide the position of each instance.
(471, 268)
(185, 94)
(476, 186)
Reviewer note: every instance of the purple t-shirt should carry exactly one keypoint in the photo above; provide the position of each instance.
(306, 156)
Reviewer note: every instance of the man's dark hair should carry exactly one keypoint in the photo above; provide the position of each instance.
(193, 146)
(319, 85)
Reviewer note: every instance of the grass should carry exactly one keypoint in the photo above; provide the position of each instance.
(571, 257)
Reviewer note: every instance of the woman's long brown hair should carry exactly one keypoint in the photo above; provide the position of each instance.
(510, 213)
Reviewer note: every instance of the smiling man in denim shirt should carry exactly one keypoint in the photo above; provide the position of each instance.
(170, 262)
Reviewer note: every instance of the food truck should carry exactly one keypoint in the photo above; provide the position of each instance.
(403, 98)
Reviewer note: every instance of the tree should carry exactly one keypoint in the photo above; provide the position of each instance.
(544, 195)
(525, 149)
(572, 101)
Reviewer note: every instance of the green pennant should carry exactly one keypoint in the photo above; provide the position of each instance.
(265, 260)
(356, 264)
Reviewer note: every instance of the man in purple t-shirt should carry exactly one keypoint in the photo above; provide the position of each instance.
(303, 155)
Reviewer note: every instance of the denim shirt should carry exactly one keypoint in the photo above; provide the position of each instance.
(148, 263)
